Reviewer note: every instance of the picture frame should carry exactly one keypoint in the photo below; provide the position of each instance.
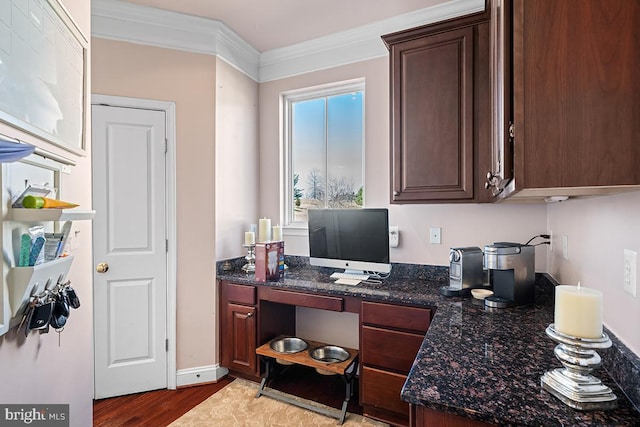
(43, 72)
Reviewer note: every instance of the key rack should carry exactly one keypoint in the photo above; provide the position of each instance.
(27, 281)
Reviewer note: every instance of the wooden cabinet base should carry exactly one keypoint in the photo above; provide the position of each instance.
(392, 418)
(423, 417)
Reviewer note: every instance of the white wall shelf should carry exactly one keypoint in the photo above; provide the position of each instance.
(27, 281)
(50, 214)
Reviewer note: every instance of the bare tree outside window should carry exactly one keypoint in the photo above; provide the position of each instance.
(315, 185)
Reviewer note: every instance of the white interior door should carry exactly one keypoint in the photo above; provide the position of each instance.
(130, 239)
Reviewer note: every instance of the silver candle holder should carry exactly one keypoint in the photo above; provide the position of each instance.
(574, 385)
(250, 266)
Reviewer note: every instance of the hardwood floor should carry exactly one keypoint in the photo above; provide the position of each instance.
(160, 408)
(155, 408)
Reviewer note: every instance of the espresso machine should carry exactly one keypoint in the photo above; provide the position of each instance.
(511, 269)
(465, 271)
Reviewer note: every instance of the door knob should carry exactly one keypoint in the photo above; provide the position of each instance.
(102, 267)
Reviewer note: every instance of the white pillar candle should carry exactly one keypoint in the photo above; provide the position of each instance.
(249, 238)
(264, 230)
(578, 311)
(276, 233)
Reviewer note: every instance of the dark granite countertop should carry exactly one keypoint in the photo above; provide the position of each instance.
(481, 364)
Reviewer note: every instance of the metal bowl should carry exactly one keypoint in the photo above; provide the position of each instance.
(288, 345)
(330, 354)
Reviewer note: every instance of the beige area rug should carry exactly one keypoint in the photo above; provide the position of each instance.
(236, 405)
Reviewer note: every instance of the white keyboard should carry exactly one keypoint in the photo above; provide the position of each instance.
(353, 276)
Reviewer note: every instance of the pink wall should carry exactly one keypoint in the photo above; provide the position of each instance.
(217, 149)
(599, 229)
(36, 370)
(236, 164)
(188, 79)
(236, 159)
(462, 224)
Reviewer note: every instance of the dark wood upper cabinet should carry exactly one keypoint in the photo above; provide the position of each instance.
(572, 92)
(440, 111)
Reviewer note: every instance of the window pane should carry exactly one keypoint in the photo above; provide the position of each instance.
(308, 155)
(344, 150)
(325, 144)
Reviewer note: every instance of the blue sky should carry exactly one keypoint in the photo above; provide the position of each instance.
(345, 136)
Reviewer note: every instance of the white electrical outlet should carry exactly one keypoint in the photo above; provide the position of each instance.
(435, 235)
(630, 271)
(394, 236)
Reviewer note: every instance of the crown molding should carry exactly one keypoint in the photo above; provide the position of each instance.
(116, 20)
(133, 23)
(354, 45)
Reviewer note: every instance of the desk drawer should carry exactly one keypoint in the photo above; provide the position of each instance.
(301, 299)
(242, 294)
(389, 349)
(396, 316)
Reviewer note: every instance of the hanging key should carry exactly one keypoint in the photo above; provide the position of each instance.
(27, 313)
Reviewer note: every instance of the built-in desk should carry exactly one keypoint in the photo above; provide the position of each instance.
(473, 365)
(254, 314)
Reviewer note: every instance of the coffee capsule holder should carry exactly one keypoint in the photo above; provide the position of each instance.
(574, 385)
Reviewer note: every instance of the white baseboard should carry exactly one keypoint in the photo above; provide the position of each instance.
(200, 375)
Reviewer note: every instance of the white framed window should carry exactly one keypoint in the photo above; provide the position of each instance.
(323, 149)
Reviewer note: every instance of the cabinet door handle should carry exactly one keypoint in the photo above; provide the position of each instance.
(250, 314)
(396, 193)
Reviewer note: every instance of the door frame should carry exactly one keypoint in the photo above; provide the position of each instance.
(169, 108)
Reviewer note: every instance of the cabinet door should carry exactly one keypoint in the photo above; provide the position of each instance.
(432, 117)
(240, 339)
(576, 94)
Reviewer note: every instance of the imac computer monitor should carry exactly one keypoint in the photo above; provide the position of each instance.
(356, 240)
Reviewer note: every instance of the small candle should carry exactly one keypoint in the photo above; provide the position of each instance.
(249, 238)
(578, 311)
(264, 230)
(276, 233)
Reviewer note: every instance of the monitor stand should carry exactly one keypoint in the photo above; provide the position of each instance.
(349, 271)
(350, 274)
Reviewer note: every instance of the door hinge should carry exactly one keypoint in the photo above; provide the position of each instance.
(512, 130)
(166, 345)
(166, 245)
(166, 145)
